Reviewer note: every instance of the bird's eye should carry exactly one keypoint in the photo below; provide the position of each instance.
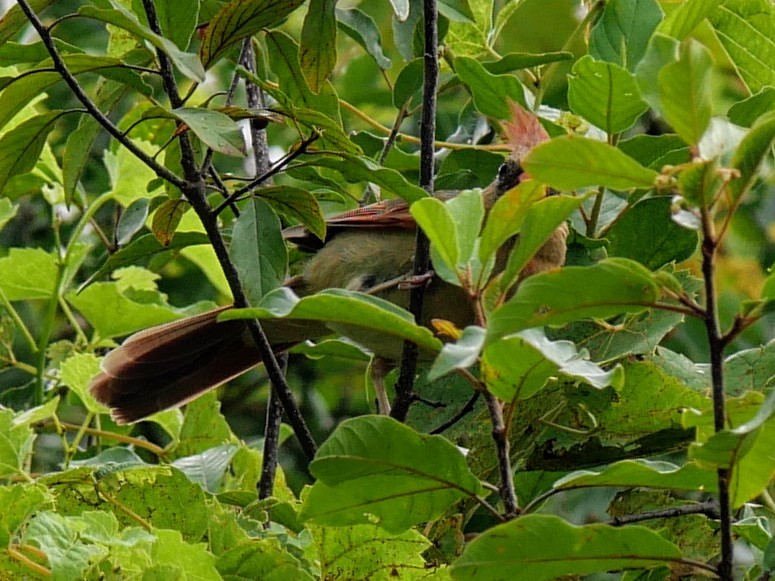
(503, 171)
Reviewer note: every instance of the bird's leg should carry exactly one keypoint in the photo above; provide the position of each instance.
(403, 282)
(379, 369)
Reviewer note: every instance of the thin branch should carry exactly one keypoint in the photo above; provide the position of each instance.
(93, 110)
(500, 436)
(716, 347)
(422, 262)
(708, 508)
(462, 412)
(274, 416)
(274, 170)
(136, 442)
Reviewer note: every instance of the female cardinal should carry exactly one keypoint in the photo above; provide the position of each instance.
(364, 250)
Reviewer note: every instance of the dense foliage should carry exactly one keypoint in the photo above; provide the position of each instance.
(613, 415)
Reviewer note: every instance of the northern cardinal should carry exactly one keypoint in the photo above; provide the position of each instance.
(365, 250)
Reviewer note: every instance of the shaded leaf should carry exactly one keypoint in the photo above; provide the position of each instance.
(376, 465)
(363, 30)
(186, 63)
(646, 233)
(519, 549)
(745, 29)
(21, 147)
(685, 92)
(491, 93)
(166, 219)
(215, 129)
(623, 32)
(520, 365)
(610, 287)
(317, 49)
(239, 19)
(258, 250)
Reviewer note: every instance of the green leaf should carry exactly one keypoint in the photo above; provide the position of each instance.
(571, 162)
(7, 211)
(132, 220)
(435, 219)
(283, 55)
(77, 153)
(656, 151)
(14, 19)
(662, 50)
(16, 442)
(400, 9)
(605, 94)
(21, 147)
(642, 473)
(356, 168)
(467, 212)
(685, 92)
(209, 467)
(186, 63)
(461, 354)
(143, 248)
(623, 32)
(77, 371)
(115, 309)
(407, 89)
(368, 551)
(215, 129)
(28, 273)
(745, 29)
(507, 215)
(646, 233)
(166, 220)
(193, 561)
(541, 221)
(177, 18)
(376, 465)
(518, 366)
(456, 10)
(329, 129)
(236, 21)
(755, 147)
(515, 61)
(258, 250)
(611, 287)
(491, 93)
(298, 204)
(520, 549)
(368, 320)
(362, 29)
(264, 559)
(57, 536)
(204, 427)
(20, 91)
(21, 501)
(745, 450)
(686, 17)
(317, 49)
(130, 177)
(746, 112)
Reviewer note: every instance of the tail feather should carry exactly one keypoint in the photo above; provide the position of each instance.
(171, 364)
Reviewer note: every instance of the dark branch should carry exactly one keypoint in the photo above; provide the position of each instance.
(405, 384)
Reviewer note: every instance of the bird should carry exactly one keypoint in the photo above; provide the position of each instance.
(368, 249)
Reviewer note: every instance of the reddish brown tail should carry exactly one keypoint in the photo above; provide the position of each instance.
(166, 366)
